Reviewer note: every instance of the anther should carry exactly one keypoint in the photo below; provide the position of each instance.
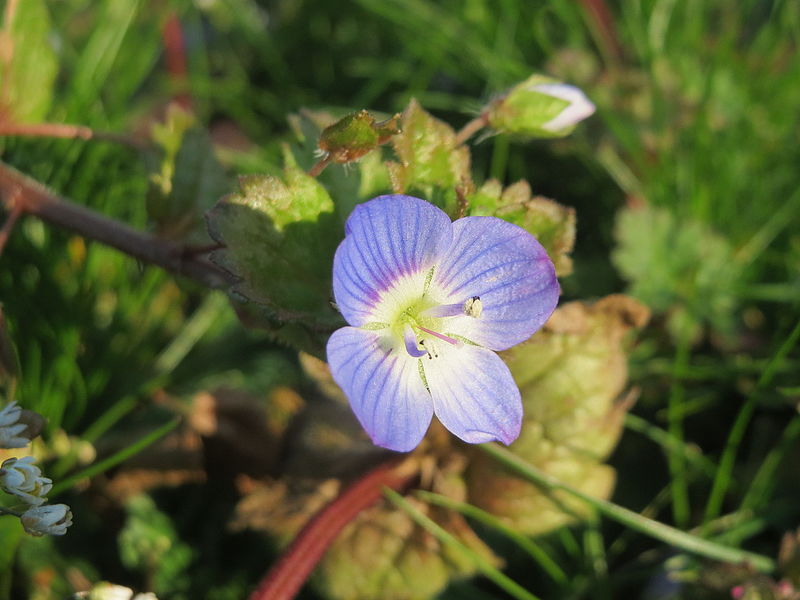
(473, 307)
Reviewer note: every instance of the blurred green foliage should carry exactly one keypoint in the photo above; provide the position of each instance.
(694, 143)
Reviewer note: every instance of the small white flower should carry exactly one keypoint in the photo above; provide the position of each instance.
(23, 479)
(110, 591)
(580, 107)
(50, 519)
(11, 428)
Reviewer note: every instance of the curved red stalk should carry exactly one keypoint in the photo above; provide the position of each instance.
(288, 575)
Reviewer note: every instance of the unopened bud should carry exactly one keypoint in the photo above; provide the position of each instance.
(50, 519)
(540, 107)
(355, 135)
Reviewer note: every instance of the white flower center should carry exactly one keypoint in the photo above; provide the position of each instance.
(415, 319)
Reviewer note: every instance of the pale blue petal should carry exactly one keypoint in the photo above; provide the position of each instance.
(509, 270)
(383, 386)
(474, 395)
(387, 238)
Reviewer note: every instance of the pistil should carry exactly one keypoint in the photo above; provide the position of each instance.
(441, 336)
(410, 339)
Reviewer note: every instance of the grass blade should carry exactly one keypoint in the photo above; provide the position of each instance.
(547, 564)
(115, 458)
(510, 586)
(675, 537)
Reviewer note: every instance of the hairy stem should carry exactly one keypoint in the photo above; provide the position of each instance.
(471, 128)
(64, 130)
(27, 196)
(288, 575)
(319, 166)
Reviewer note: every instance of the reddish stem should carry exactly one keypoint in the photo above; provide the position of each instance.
(288, 575)
(13, 216)
(605, 32)
(471, 128)
(30, 197)
(175, 55)
(63, 130)
(319, 166)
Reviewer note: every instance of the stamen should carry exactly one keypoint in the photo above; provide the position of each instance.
(441, 336)
(410, 340)
(444, 310)
(473, 307)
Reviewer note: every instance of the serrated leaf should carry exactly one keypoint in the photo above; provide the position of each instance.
(150, 544)
(552, 223)
(26, 87)
(680, 267)
(280, 235)
(429, 160)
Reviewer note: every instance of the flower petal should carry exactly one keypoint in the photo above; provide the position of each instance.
(579, 108)
(474, 395)
(383, 386)
(509, 270)
(387, 239)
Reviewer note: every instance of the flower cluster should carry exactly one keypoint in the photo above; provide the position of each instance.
(20, 477)
(429, 302)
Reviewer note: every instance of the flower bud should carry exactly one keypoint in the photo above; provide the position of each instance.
(11, 430)
(540, 107)
(20, 477)
(356, 134)
(50, 519)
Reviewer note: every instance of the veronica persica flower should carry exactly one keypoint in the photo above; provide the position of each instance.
(429, 301)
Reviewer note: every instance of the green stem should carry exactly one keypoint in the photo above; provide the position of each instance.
(447, 539)
(660, 531)
(677, 464)
(547, 564)
(690, 453)
(723, 477)
(115, 458)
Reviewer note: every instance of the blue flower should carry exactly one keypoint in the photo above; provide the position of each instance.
(429, 301)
